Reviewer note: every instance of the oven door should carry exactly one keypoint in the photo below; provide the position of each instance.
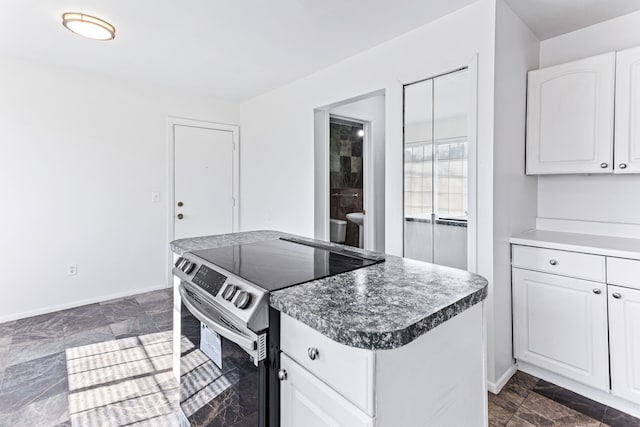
(222, 383)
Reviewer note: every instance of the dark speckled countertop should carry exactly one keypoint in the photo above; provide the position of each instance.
(383, 306)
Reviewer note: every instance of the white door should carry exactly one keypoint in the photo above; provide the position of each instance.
(560, 324)
(627, 144)
(307, 401)
(205, 181)
(624, 335)
(570, 117)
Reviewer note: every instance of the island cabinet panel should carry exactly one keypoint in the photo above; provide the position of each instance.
(570, 113)
(627, 126)
(560, 324)
(307, 401)
(348, 370)
(439, 379)
(624, 336)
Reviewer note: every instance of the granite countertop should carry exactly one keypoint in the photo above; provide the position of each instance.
(384, 306)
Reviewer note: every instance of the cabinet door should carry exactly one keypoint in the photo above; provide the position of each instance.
(627, 144)
(624, 335)
(560, 324)
(307, 401)
(570, 117)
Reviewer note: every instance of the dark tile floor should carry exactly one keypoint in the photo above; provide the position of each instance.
(109, 364)
(106, 364)
(528, 401)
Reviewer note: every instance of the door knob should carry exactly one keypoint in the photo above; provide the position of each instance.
(180, 216)
(180, 204)
(313, 353)
(282, 375)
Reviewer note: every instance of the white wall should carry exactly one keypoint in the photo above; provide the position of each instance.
(372, 110)
(81, 155)
(514, 193)
(278, 127)
(600, 198)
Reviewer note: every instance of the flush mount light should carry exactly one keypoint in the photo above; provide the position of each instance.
(88, 26)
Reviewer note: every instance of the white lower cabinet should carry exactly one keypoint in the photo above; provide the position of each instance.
(561, 325)
(624, 335)
(582, 334)
(307, 401)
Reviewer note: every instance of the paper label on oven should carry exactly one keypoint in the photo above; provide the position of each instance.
(211, 344)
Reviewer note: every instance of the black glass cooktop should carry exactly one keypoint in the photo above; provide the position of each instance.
(278, 264)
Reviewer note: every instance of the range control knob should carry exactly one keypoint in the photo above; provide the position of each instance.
(188, 267)
(178, 262)
(243, 300)
(229, 292)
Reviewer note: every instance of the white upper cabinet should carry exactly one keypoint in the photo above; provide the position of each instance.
(570, 113)
(627, 137)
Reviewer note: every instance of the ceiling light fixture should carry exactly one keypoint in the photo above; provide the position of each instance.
(88, 26)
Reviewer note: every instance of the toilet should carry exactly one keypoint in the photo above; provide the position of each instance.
(337, 230)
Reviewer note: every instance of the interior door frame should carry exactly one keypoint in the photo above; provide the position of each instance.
(172, 122)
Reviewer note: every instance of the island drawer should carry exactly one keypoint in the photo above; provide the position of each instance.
(563, 263)
(623, 272)
(348, 370)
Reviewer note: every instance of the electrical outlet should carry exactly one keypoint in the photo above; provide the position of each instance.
(155, 196)
(72, 269)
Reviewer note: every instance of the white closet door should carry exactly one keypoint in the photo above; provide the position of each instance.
(627, 144)
(570, 117)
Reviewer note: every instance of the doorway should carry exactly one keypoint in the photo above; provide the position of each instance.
(347, 146)
(203, 179)
(349, 165)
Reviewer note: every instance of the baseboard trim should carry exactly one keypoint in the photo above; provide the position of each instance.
(102, 298)
(603, 397)
(495, 387)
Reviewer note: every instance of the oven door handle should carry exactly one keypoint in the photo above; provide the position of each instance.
(247, 343)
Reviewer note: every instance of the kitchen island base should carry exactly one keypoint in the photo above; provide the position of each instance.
(438, 379)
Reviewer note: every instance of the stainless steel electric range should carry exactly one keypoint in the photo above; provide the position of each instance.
(229, 334)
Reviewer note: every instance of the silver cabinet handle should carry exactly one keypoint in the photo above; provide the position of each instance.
(597, 291)
(313, 353)
(616, 295)
(282, 375)
(604, 165)
(553, 262)
(622, 165)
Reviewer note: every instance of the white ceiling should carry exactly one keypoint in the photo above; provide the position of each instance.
(229, 48)
(550, 18)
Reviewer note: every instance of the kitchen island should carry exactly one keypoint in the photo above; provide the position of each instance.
(398, 343)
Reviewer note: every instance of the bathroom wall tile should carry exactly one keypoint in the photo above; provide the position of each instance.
(345, 148)
(356, 164)
(334, 162)
(356, 148)
(345, 164)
